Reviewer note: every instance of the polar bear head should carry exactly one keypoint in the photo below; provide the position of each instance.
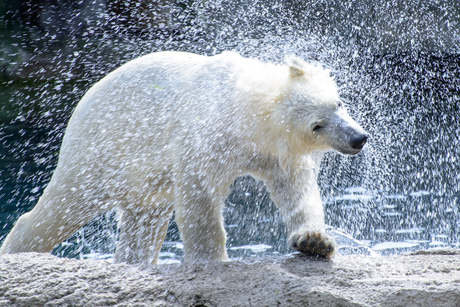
(317, 118)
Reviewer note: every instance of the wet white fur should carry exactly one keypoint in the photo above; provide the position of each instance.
(171, 131)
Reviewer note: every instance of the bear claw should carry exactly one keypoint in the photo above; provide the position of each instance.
(314, 243)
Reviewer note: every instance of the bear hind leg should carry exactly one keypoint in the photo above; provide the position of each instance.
(50, 222)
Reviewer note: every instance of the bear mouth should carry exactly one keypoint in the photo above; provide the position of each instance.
(348, 152)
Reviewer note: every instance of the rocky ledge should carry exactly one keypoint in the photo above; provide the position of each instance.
(421, 279)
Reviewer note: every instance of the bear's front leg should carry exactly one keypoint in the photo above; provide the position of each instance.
(296, 194)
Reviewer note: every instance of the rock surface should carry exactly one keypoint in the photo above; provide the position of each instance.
(423, 279)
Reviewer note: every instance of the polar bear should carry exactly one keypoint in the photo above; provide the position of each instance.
(171, 131)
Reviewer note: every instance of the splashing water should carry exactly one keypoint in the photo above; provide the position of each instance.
(397, 65)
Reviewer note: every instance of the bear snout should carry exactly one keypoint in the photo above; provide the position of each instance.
(359, 141)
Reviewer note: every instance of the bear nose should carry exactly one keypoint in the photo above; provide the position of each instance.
(358, 142)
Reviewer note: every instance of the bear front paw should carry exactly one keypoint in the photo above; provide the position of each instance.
(313, 243)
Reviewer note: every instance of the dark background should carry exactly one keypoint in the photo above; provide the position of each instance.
(397, 64)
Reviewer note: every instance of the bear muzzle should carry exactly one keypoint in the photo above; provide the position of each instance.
(350, 142)
(359, 141)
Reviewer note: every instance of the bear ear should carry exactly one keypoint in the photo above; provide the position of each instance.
(296, 66)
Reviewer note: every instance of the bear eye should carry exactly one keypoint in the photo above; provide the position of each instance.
(317, 127)
(339, 104)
